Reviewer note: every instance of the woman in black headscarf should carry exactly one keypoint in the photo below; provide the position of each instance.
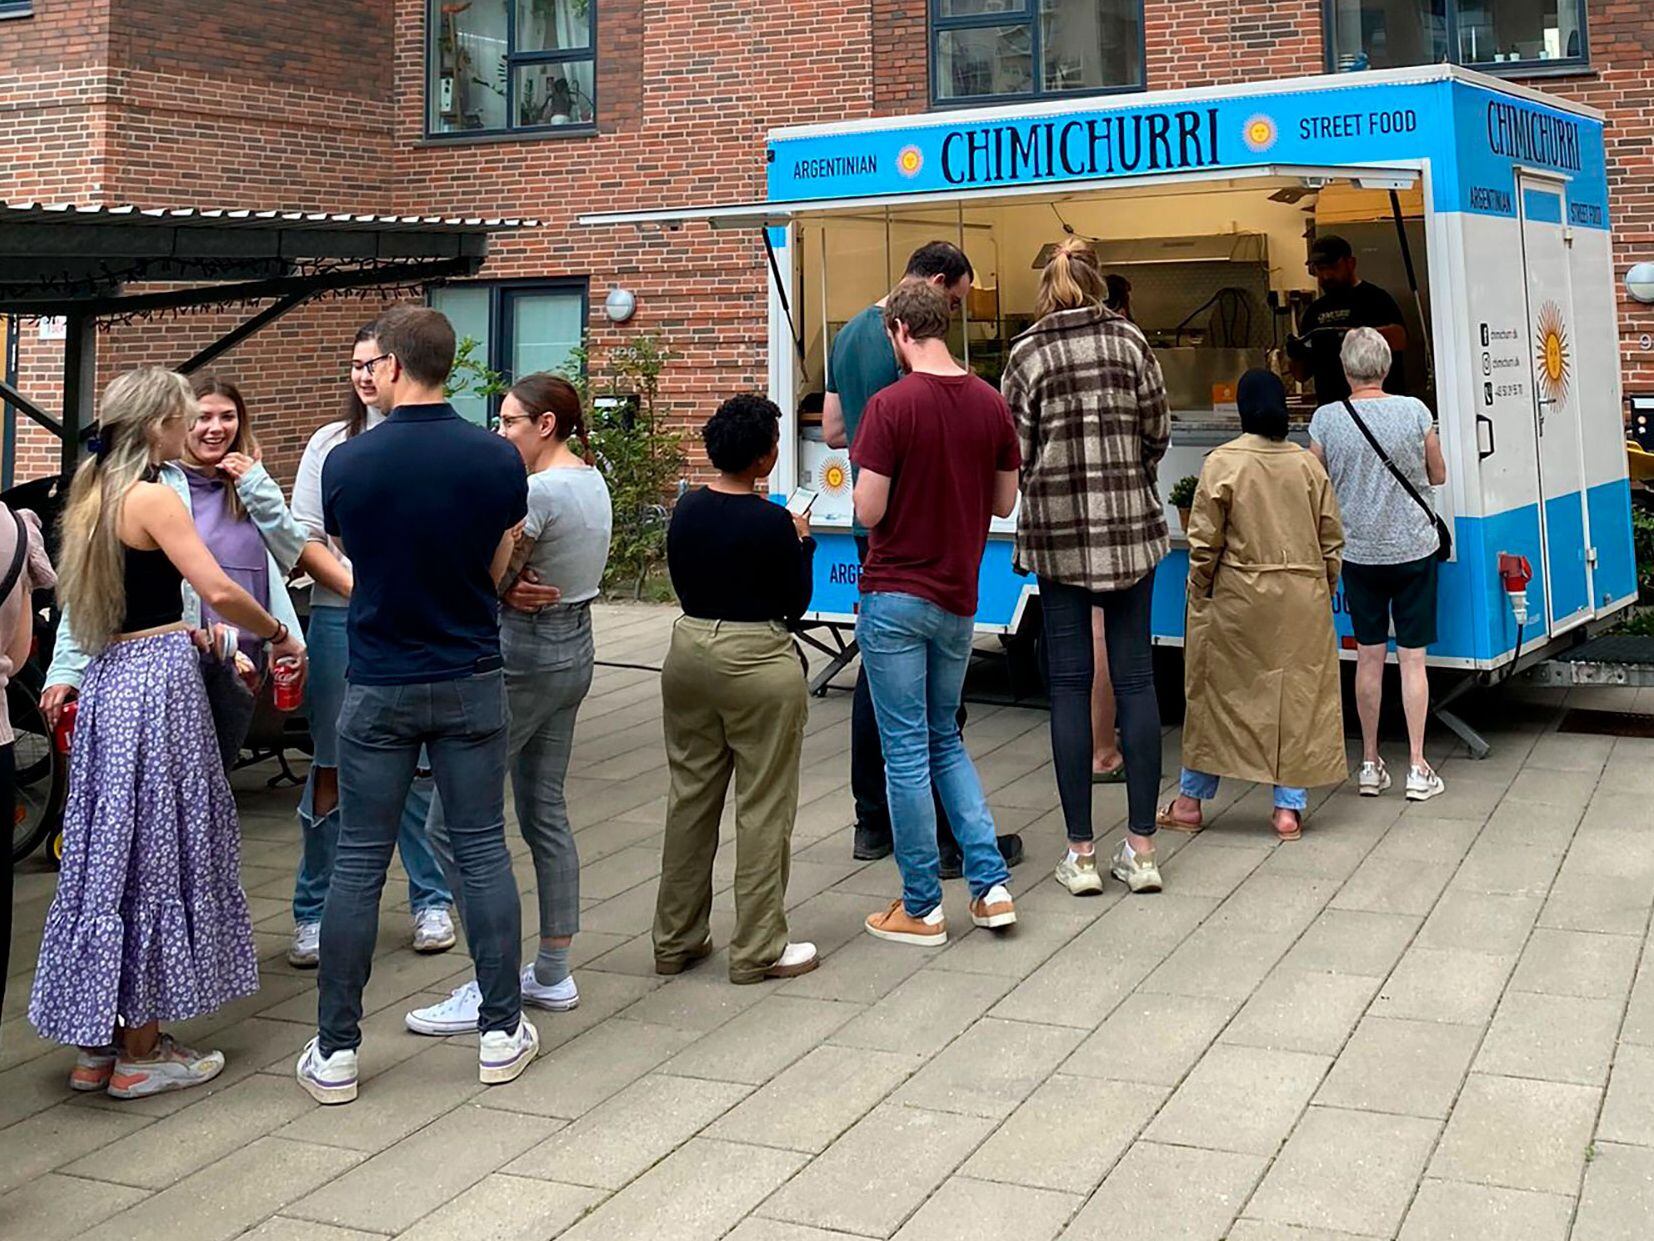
(1260, 655)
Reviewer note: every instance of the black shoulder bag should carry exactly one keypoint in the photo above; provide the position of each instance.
(1444, 536)
(15, 570)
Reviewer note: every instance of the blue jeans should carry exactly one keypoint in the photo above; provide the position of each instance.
(915, 654)
(462, 724)
(324, 695)
(1203, 787)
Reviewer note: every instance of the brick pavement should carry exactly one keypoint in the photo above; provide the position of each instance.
(1425, 1023)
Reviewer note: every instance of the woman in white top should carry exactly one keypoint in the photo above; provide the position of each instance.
(428, 894)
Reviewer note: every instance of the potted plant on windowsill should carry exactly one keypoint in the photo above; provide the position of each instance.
(1182, 497)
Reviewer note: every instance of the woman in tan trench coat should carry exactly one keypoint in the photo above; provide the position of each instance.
(1260, 655)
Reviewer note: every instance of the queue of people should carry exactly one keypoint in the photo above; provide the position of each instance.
(452, 650)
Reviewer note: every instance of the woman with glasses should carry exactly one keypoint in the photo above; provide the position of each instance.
(428, 894)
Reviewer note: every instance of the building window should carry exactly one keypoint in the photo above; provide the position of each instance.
(1504, 36)
(503, 66)
(16, 8)
(519, 328)
(1023, 49)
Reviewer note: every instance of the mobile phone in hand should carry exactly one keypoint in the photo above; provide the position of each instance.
(800, 501)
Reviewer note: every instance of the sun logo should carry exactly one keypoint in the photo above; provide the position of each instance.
(1553, 363)
(835, 476)
(1260, 132)
(909, 160)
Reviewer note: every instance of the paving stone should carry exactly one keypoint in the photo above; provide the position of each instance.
(1302, 1010)
(1243, 1099)
(1195, 1194)
(1392, 886)
(59, 1136)
(1078, 989)
(622, 1137)
(1346, 1171)
(754, 1228)
(1219, 963)
(699, 1000)
(762, 1041)
(1557, 1038)
(419, 1174)
(1597, 899)
(1271, 904)
(1618, 1198)
(1519, 1133)
(1498, 866)
(1444, 984)
(701, 1190)
(925, 1013)
(1268, 1230)
(990, 1068)
(807, 1106)
(855, 1185)
(1639, 1014)
(51, 1207)
(396, 1103)
(1480, 922)
(1579, 963)
(862, 972)
(1068, 1134)
(1151, 1038)
(1570, 752)
(1202, 869)
(958, 1210)
(506, 1208)
(1413, 1068)
(1454, 1211)
(570, 1080)
(1628, 1112)
(280, 1228)
(1017, 953)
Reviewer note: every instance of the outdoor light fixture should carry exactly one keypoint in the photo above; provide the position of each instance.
(620, 305)
(1639, 282)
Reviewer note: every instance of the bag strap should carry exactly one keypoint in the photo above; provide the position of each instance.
(19, 554)
(1406, 485)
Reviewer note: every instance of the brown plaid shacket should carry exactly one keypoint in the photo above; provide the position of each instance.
(1090, 409)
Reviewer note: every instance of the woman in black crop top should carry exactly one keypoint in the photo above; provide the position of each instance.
(149, 923)
(734, 702)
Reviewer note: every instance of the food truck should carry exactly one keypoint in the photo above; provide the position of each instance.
(1479, 205)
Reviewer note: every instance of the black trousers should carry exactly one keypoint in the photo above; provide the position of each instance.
(8, 815)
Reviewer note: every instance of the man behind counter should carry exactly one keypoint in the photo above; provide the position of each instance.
(1346, 302)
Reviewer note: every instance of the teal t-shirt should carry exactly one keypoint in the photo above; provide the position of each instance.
(863, 362)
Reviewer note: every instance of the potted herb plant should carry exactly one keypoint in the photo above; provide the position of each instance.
(1183, 497)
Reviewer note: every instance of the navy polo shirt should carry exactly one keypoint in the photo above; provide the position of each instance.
(421, 503)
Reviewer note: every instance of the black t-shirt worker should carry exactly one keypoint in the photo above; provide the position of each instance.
(1346, 302)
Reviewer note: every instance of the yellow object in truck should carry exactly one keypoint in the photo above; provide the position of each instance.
(1639, 462)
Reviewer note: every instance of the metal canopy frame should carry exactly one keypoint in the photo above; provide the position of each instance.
(77, 262)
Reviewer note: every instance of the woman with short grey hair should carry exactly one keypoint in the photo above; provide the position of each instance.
(1390, 548)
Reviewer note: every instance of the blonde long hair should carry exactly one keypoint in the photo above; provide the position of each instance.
(91, 576)
(1071, 280)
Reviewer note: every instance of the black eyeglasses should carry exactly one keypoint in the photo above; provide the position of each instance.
(368, 366)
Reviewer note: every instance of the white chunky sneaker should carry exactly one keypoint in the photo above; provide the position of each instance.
(1078, 873)
(433, 930)
(305, 952)
(171, 1066)
(1136, 870)
(1373, 779)
(328, 1079)
(559, 997)
(502, 1057)
(1423, 784)
(455, 1015)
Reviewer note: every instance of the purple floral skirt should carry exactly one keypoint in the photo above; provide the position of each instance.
(149, 922)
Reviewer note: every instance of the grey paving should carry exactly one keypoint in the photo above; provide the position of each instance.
(1419, 1023)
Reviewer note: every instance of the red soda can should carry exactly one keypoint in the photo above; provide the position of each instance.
(65, 726)
(288, 672)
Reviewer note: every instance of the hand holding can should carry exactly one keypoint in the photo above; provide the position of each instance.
(288, 672)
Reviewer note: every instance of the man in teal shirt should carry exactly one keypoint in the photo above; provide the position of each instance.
(862, 362)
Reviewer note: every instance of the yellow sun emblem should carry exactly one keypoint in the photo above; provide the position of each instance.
(1552, 360)
(1259, 132)
(909, 160)
(835, 476)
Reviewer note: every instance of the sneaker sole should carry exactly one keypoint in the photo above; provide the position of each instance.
(908, 937)
(432, 949)
(1091, 886)
(1139, 885)
(155, 1086)
(994, 921)
(436, 1029)
(303, 963)
(1425, 794)
(511, 1070)
(872, 855)
(775, 972)
(325, 1094)
(89, 1085)
(552, 1006)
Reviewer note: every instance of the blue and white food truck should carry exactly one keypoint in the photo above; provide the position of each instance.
(1480, 205)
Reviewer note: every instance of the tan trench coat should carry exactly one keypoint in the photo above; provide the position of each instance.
(1260, 654)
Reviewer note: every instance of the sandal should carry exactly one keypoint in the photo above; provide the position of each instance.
(1297, 832)
(1164, 818)
(1114, 775)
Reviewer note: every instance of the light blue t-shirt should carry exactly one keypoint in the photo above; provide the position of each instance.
(1382, 524)
(570, 520)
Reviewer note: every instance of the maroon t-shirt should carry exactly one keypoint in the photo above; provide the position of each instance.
(940, 439)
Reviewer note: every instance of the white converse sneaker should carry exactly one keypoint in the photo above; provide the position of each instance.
(305, 952)
(559, 997)
(1423, 784)
(455, 1015)
(1373, 779)
(328, 1079)
(502, 1057)
(433, 930)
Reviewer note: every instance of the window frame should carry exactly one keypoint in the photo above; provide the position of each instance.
(513, 60)
(1562, 66)
(16, 8)
(502, 296)
(1027, 14)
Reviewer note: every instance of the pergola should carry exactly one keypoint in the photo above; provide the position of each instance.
(78, 263)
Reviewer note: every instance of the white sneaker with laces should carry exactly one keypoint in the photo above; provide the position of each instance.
(1423, 784)
(1137, 871)
(433, 930)
(455, 1015)
(502, 1057)
(305, 952)
(1373, 779)
(1078, 873)
(559, 997)
(328, 1079)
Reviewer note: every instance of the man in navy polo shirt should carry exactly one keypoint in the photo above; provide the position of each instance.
(425, 507)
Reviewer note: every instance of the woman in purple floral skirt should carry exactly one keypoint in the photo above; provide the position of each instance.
(149, 923)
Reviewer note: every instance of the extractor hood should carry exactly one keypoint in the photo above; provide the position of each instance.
(1217, 248)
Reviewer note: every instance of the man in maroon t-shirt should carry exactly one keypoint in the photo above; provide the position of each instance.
(938, 459)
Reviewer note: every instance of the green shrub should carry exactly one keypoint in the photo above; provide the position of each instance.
(1183, 491)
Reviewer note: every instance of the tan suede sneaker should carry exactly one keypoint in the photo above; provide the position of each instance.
(901, 927)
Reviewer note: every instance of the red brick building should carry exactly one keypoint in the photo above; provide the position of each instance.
(550, 108)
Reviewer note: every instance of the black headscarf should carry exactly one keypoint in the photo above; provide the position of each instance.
(1262, 399)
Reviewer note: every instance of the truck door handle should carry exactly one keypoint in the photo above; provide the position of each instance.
(1482, 454)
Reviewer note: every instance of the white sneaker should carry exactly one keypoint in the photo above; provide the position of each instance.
(433, 930)
(1373, 779)
(1423, 784)
(559, 997)
(1078, 873)
(172, 1066)
(502, 1057)
(305, 952)
(328, 1079)
(1136, 870)
(455, 1015)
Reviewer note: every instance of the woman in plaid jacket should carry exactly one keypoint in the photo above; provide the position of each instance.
(1090, 409)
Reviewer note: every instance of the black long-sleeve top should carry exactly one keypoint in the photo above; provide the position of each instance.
(738, 558)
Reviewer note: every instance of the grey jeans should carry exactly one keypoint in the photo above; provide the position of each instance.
(461, 724)
(548, 670)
